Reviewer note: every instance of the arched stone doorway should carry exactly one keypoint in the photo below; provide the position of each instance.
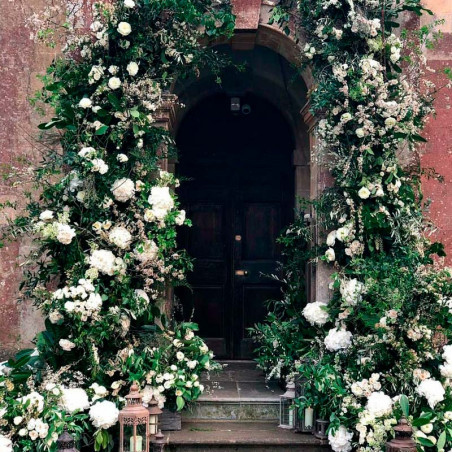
(246, 168)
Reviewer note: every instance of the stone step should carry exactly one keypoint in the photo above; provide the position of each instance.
(231, 436)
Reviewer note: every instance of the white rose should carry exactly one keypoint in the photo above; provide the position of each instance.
(360, 133)
(390, 122)
(123, 189)
(33, 435)
(124, 28)
(122, 158)
(343, 233)
(192, 364)
(129, 3)
(180, 218)
(85, 103)
(114, 82)
(17, 420)
(363, 193)
(87, 152)
(346, 117)
(99, 166)
(315, 313)
(427, 428)
(132, 68)
(65, 233)
(331, 239)
(46, 215)
(330, 255)
(104, 414)
(66, 345)
(180, 356)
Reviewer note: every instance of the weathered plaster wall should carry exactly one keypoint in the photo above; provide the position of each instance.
(21, 60)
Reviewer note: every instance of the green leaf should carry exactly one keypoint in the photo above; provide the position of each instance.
(418, 138)
(114, 100)
(441, 441)
(423, 420)
(101, 131)
(180, 402)
(405, 405)
(134, 113)
(425, 441)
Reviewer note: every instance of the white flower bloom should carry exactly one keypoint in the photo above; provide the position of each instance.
(113, 69)
(99, 166)
(338, 340)
(432, 390)
(351, 291)
(427, 428)
(446, 370)
(87, 152)
(6, 444)
(104, 414)
(192, 364)
(114, 82)
(161, 201)
(65, 233)
(360, 133)
(331, 239)
(55, 317)
(346, 117)
(330, 255)
(124, 28)
(343, 233)
(141, 295)
(315, 313)
(447, 353)
(129, 3)
(104, 261)
(85, 103)
(36, 401)
(180, 218)
(340, 441)
(122, 158)
(132, 68)
(95, 74)
(123, 189)
(46, 215)
(180, 356)
(146, 251)
(74, 399)
(189, 335)
(17, 420)
(66, 345)
(379, 404)
(363, 193)
(120, 237)
(33, 435)
(390, 122)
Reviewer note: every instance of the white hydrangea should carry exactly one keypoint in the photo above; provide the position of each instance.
(64, 233)
(66, 345)
(315, 313)
(338, 339)
(74, 399)
(123, 189)
(447, 353)
(5, 444)
(161, 201)
(340, 440)
(351, 291)
(146, 251)
(104, 414)
(36, 401)
(120, 237)
(105, 261)
(432, 390)
(379, 404)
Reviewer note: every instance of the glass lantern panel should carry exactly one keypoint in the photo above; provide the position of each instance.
(286, 413)
(134, 438)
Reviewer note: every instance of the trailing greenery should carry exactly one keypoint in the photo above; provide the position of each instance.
(380, 336)
(105, 218)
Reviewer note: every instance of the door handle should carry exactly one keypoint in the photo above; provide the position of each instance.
(241, 272)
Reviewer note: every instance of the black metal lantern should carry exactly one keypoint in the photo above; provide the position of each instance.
(305, 419)
(286, 408)
(154, 412)
(66, 442)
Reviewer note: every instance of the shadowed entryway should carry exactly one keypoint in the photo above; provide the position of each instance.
(239, 197)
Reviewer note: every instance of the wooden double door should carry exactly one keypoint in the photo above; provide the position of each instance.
(239, 198)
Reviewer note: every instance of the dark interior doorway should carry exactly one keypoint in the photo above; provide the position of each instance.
(240, 197)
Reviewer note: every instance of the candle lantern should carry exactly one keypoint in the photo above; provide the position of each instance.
(134, 424)
(305, 419)
(158, 445)
(66, 442)
(403, 441)
(154, 412)
(286, 408)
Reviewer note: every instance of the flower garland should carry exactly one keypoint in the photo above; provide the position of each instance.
(106, 225)
(376, 349)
